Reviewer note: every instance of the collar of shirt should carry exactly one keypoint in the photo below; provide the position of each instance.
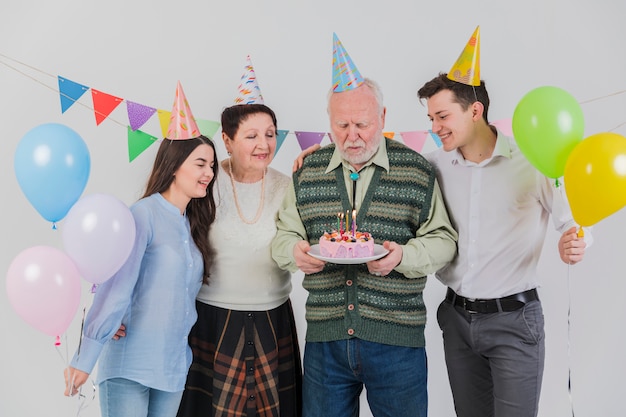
(167, 205)
(380, 158)
(502, 148)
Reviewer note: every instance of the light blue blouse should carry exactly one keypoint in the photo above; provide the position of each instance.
(153, 295)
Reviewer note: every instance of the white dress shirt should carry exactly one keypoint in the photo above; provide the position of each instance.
(500, 208)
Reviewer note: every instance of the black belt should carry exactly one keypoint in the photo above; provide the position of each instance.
(478, 305)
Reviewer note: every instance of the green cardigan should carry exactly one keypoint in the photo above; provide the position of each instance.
(346, 300)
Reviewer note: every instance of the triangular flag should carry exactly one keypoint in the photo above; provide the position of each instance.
(466, 69)
(346, 76)
(505, 126)
(280, 138)
(164, 120)
(103, 104)
(306, 139)
(138, 114)
(70, 92)
(414, 140)
(138, 142)
(208, 127)
(436, 138)
(389, 135)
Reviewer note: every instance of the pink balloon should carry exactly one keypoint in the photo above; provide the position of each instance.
(43, 285)
(98, 234)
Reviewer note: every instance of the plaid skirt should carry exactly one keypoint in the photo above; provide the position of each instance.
(245, 363)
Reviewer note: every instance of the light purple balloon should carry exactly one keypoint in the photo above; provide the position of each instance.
(43, 286)
(98, 234)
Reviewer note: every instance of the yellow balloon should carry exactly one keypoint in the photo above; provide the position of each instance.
(595, 177)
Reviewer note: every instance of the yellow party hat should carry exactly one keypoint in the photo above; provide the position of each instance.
(466, 69)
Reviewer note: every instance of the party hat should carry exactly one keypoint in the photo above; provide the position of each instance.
(182, 124)
(249, 91)
(345, 74)
(466, 69)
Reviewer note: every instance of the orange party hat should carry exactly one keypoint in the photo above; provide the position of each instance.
(466, 69)
(182, 123)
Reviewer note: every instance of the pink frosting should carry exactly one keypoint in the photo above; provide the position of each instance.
(341, 248)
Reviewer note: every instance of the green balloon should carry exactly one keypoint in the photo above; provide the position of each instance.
(548, 123)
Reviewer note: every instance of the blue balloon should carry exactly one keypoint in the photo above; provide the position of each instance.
(52, 165)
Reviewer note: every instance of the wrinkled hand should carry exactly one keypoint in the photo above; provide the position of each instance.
(74, 379)
(306, 263)
(121, 332)
(571, 247)
(297, 164)
(386, 264)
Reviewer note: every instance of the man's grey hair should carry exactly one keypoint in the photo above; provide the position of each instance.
(373, 85)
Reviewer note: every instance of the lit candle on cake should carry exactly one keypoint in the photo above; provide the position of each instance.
(338, 222)
(347, 221)
(354, 223)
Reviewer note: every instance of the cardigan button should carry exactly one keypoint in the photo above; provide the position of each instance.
(350, 332)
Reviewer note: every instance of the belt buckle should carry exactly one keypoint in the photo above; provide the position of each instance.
(466, 307)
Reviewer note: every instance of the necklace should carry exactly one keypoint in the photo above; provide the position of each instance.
(259, 210)
(354, 176)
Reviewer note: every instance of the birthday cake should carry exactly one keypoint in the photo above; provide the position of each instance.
(346, 244)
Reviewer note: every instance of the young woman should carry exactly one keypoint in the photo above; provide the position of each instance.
(154, 293)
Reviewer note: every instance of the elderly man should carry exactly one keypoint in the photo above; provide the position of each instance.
(365, 322)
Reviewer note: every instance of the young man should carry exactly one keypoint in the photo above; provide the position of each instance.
(492, 320)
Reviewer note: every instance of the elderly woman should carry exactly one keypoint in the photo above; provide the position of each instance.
(245, 348)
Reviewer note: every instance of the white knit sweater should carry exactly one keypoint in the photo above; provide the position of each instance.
(244, 276)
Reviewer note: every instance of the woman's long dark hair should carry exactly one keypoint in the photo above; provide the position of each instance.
(200, 211)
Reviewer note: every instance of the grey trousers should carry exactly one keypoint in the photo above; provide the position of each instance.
(495, 361)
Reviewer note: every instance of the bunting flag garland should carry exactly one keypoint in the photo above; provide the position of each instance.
(103, 104)
(138, 114)
(70, 92)
(414, 140)
(138, 142)
(306, 139)
(280, 138)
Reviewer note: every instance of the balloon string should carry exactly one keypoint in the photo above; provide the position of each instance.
(602, 97)
(82, 398)
(569, 325)
(617, 127)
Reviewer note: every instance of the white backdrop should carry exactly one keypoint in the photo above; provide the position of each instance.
(138, 49)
